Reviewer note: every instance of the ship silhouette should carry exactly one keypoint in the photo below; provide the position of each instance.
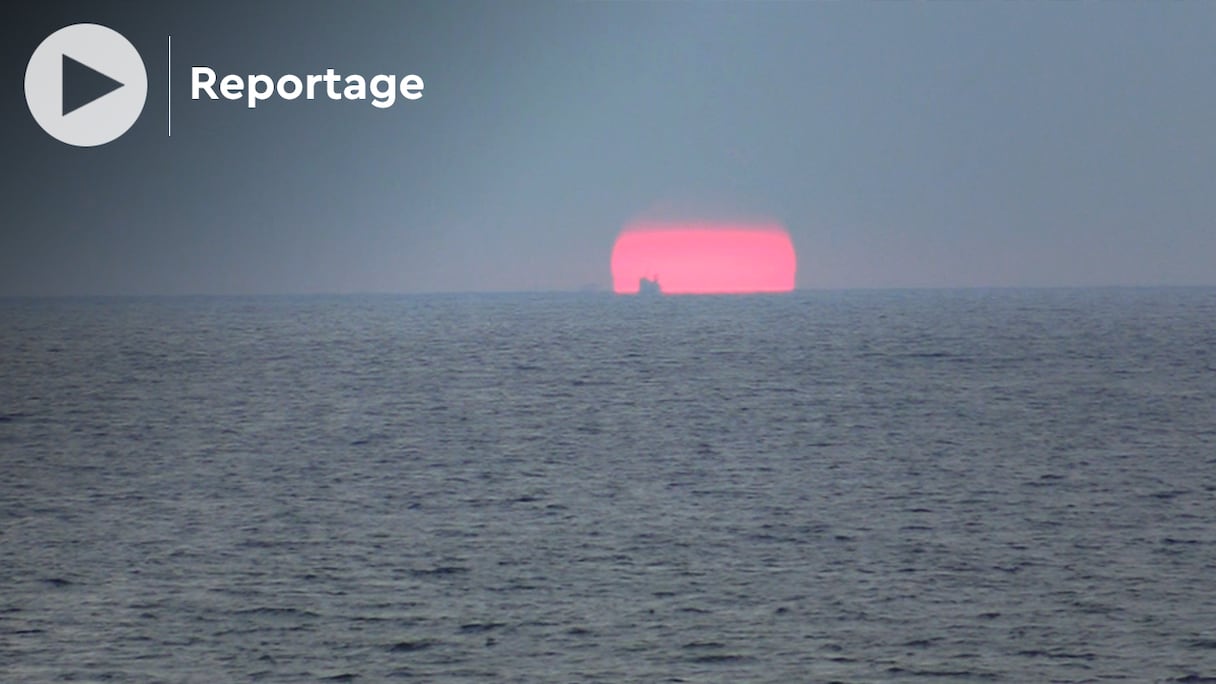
(649, 286)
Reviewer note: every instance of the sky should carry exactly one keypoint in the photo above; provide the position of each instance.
(935, 144)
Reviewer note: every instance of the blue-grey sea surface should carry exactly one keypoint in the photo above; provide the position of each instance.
(979, 485)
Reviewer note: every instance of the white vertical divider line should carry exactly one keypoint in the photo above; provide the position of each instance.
(169, 79)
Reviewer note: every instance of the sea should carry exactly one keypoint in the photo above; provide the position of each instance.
(824, 486)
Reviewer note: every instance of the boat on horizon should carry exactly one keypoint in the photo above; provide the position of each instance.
(648, 286)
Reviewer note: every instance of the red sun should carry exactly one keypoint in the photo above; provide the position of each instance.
(704, 258)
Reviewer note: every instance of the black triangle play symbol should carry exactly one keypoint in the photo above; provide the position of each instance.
(82, 85)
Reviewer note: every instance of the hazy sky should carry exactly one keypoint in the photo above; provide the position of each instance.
(917, 144)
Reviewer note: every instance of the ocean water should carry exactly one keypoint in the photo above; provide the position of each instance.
(1008, 485)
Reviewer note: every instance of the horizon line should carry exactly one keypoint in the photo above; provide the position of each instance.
(605, 291)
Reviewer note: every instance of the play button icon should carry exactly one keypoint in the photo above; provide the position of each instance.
(86, 85)
(83, 84)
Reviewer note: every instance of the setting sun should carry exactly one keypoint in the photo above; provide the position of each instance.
(704, 258)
